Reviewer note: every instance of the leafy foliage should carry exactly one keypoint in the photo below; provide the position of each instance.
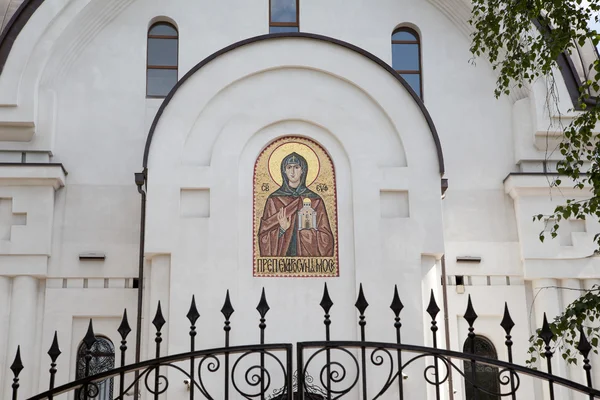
(523, 39)
(583, 312)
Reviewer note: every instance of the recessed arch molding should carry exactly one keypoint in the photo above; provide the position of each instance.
(287, 35)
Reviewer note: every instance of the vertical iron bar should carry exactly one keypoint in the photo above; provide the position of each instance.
(16, 367)
(584, 348)
(227, 310)
(288, 377)
(588, 374)
(227, 328)
(123, 349)
(470, 316)
(262, 326)
(52, 378)
(124, 330)
(507, 323)
(158, 340)
(88, 358)
(326, 304)
(89, 340)
(399, 358)
(192, 360)
(363, 356)
(397, 307)
(54, 352)
(262, 308)
(300, 370)
(433, 310)
(549, 364)
(473, 364)
(547, 335)
(158, 322)
(192, 316)
(434, 330)
(361, 305)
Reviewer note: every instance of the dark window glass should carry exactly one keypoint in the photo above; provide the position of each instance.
(161, 81)
(405, 57)
(162, 52)
(162, 62)
(283, 10)
(277, 29)
(103, 359)
(163, 29)
(487, 377)
(414, 80)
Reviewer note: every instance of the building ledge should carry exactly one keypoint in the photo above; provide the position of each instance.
(518, 184)
(33, 174)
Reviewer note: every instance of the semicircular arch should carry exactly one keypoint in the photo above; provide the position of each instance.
(377, 68)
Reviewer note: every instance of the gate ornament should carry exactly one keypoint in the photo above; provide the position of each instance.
(328, 369)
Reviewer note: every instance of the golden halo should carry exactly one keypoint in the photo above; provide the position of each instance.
(283, 151)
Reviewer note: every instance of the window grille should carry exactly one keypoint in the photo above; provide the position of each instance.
(486, 376)
(103, 359)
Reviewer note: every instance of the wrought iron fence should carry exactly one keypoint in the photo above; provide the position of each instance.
(339, 368)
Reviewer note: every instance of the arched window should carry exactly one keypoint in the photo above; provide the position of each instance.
(406, 57)
(486, 376)
(283, 16)
(162, 61)
(103, 359)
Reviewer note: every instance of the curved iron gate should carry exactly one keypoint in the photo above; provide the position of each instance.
(324, 369)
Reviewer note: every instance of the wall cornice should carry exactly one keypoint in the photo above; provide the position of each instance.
(17, 174)
(523, 184)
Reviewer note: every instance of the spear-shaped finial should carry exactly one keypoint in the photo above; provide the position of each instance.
(159, 320)
(193, 313)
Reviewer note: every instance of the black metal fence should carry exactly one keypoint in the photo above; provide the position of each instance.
(324, 370)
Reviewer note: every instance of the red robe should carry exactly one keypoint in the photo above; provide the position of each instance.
(309, 242)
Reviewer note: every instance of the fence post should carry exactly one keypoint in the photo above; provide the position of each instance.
(158, 322)
(397, 307)
(192, 316)
(326, 305)
(361, 305)
(433, 310)
(124, 330)
(54, 352)
(584, 348)
(470, 316)
(507, 324)
(227, 310)
(16, 367)
(547, 336)
(262, 308)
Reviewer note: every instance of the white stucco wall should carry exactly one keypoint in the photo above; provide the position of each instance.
(73, 87)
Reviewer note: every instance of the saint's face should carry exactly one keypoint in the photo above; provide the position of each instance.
(293, 173)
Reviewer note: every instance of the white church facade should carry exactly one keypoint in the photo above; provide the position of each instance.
(209, 146)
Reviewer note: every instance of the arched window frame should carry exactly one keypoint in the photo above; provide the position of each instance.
(284, 26)
(173, 66)
(416, 41)
(478, 343)
(105, 387)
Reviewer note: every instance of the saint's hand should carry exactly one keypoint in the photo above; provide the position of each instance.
(283, 221)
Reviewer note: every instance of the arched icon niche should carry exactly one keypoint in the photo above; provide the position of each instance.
(295, 211)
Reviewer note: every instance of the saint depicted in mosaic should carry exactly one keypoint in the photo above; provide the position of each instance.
(295, 224)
